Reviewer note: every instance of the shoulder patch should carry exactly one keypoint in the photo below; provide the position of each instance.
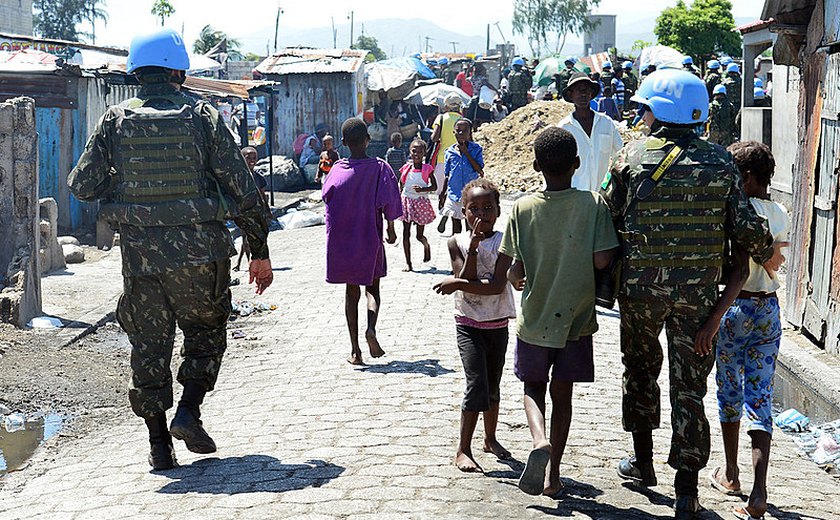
(655, 143)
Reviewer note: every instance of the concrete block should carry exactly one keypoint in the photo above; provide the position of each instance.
(52, 256)
(68, 240)
(73, 254)
(20, 251)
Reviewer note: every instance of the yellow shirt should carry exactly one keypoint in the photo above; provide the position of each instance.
(446, 122)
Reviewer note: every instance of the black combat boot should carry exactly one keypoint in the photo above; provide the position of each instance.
(162, 454)
(186, 425)
(687, 504)
(639, 469)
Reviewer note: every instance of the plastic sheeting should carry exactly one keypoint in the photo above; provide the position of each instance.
(395, 73)
(661, 56)
(435, 95)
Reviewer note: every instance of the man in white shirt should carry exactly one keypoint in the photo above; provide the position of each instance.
(597, 136)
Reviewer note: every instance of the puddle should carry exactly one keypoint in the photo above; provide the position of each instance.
(17, 447)
(791, 392)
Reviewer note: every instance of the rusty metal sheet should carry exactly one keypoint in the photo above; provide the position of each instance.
(303, 60)
(48, 90)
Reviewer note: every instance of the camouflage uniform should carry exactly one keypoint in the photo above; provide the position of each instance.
(631, 84)
(712, 80)
(733, 90)
(561, 80)
(693, 69)
(721, 122)
(519, 83)
(673, 251)
(167, 187)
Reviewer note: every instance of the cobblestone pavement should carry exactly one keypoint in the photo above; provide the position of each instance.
(302, 434)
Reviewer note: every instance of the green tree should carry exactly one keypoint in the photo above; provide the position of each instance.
(547, 23)
(163, 9)
(638, 47)
(58, 19)
(369, 43)
(210, 37)
(704, 29)
(94, 11)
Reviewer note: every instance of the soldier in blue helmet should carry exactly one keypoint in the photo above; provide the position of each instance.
(721, 118)
(712, 78)
(676, 200)
(167, 174)
(519, 83)
(631, 83)
(688, 65)
(561, 79)
(733, 85)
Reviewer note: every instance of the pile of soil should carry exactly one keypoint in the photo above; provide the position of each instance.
(508, 145)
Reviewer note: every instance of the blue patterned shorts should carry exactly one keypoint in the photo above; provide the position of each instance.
(747, 346)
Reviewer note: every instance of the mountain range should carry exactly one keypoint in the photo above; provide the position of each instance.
(402, 37)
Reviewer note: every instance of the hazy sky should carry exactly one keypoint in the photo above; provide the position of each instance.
(128, 17)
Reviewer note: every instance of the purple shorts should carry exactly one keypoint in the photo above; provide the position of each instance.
(573, 363)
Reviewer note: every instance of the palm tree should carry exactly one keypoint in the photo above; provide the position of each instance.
(94, 10)
(164, 9)
(209, 38)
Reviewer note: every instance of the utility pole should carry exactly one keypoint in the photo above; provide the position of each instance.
(454, 47)
(487, 51)
(350, 16)
(428, 49)
(277, 26)
(334, 33)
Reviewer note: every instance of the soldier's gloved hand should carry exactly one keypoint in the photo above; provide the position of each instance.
(775, 263)
(260, 272)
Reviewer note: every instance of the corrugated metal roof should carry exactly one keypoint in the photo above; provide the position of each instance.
(305, 60)
(773, 8)
(221, 88)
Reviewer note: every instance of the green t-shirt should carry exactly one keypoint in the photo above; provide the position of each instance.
(555, 234)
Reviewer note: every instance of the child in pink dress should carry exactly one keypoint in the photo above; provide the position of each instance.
(358, 193)
(417, 180)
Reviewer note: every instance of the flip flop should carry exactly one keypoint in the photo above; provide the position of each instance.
(720, 487)
(741, 512)
(532, 480)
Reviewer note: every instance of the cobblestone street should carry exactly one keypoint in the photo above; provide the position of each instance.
(302, 434)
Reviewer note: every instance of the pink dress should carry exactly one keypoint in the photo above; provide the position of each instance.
(416, 206)
(357, 194)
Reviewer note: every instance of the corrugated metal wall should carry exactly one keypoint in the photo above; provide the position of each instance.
(304, 100)
(63, 134)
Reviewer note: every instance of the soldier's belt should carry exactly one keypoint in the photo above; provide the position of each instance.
(698, 263)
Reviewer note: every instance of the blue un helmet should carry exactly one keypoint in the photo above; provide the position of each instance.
(627, 65)
(719, 89)
(164, 48)
(688, 60)
(757, 82)
(733, 67)
(607, 65)
(571, 59)
(726, 60)
(518, 61)
(713, 65)
(674, 96)
(443, 61)
(758, 93)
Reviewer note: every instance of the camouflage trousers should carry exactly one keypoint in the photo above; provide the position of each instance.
(197, 299)
(682, 310)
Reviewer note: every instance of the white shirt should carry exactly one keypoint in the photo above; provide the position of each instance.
(480, 307)
(595, 152)
(777, 220)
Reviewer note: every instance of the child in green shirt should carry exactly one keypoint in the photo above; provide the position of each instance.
(557, 239)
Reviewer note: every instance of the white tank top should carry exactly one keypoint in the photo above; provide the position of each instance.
(484, 307)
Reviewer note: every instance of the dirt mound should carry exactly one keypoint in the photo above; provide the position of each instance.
(508, 145)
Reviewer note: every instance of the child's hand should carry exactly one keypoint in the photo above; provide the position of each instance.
(462, 147)
(519, 285)
(418, 189)
(392, 235)
(476, 236)
(775, 263)
(705, 338)
(447, 286)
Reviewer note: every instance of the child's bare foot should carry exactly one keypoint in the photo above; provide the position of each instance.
(427, 251)
(355, 359)
(553, 486)
(407, 269)
(720, 481)
(493, 446)
(375, 350)
(466, 463)
(757, 504)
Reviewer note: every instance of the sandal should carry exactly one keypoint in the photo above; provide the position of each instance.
(533, 477)
(743, 514)
(713, 480)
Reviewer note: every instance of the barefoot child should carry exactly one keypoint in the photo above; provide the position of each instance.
(748, 337)
(358, 193)
(417, 180)
(463, 163)
(328, 157)
(483, 305)
(558, 238)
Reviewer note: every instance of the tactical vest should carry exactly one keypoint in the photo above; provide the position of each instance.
(676, 235)
(161, 168)
(518, 83)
